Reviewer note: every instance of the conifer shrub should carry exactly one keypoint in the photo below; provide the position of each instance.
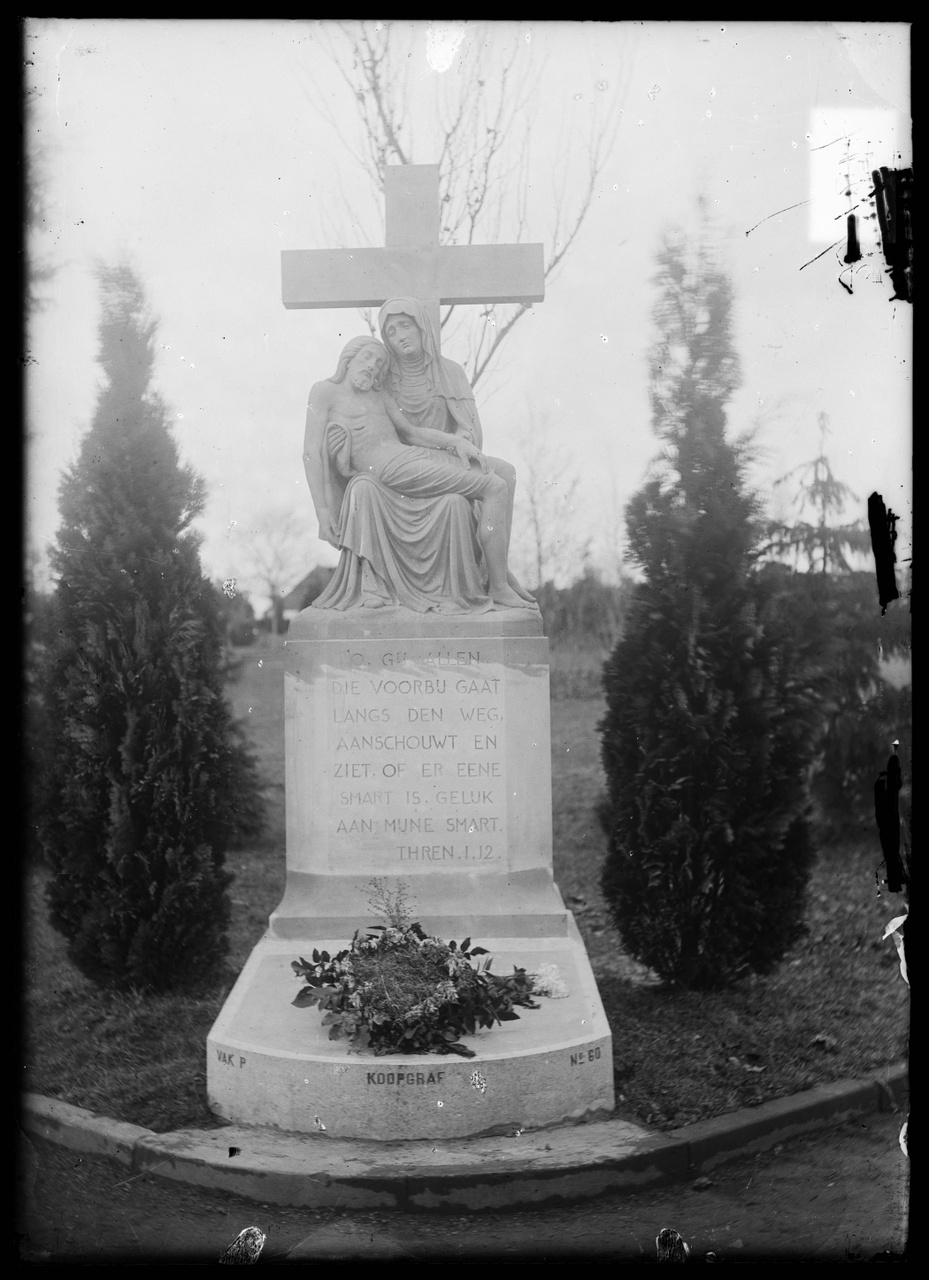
(710, 712)
(144, 781)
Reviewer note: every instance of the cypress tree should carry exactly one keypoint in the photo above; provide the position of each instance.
(144, 782)
(705, 738)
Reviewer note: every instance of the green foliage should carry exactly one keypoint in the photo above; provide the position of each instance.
(143, 780)
(399, 991)
(705, 741)
(38, 726)
(825, 546)
(390, 902)
(860, 712)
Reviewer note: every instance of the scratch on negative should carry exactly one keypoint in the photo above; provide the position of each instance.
(140, 1175)
(826, 250)
(841, 138)
(776, 212)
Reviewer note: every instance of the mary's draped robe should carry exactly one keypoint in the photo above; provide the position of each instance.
(421, 553)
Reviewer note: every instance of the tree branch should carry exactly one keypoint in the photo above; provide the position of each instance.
(480, 126)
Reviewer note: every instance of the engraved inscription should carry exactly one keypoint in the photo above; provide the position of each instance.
(405, 1077)
(584, 1056)
(416, 744)
(230, 1059)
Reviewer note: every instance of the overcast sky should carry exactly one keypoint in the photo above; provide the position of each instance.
(193, 149)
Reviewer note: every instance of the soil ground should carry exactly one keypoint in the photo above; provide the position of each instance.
(840, 1196)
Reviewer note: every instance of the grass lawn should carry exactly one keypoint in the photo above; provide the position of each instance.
(836, 1008)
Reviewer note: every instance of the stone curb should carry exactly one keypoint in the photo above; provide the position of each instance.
(514, 1171)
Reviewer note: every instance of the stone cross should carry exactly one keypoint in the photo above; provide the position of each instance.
(413, 264)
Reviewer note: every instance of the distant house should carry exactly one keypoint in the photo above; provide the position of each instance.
(304, 593)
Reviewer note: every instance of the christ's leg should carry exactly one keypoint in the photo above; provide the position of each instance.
(507, 473)
(493, 536)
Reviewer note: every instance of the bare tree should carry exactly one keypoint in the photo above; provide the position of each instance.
(551, 547)
(275, 554)
(478, 128)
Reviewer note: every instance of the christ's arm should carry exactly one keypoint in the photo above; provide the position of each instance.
(317, 418)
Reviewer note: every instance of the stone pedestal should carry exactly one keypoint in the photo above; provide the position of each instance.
(417, 748)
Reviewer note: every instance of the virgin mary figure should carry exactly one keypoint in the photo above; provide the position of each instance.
(432, 390)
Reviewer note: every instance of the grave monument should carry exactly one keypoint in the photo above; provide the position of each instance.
(417, 724)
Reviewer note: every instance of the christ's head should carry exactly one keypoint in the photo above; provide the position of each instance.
(362, 362)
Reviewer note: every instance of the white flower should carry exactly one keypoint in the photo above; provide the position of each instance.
(549, 982)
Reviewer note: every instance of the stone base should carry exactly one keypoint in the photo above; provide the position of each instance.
(456, 904)
(272, 1065)
(418, 750)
